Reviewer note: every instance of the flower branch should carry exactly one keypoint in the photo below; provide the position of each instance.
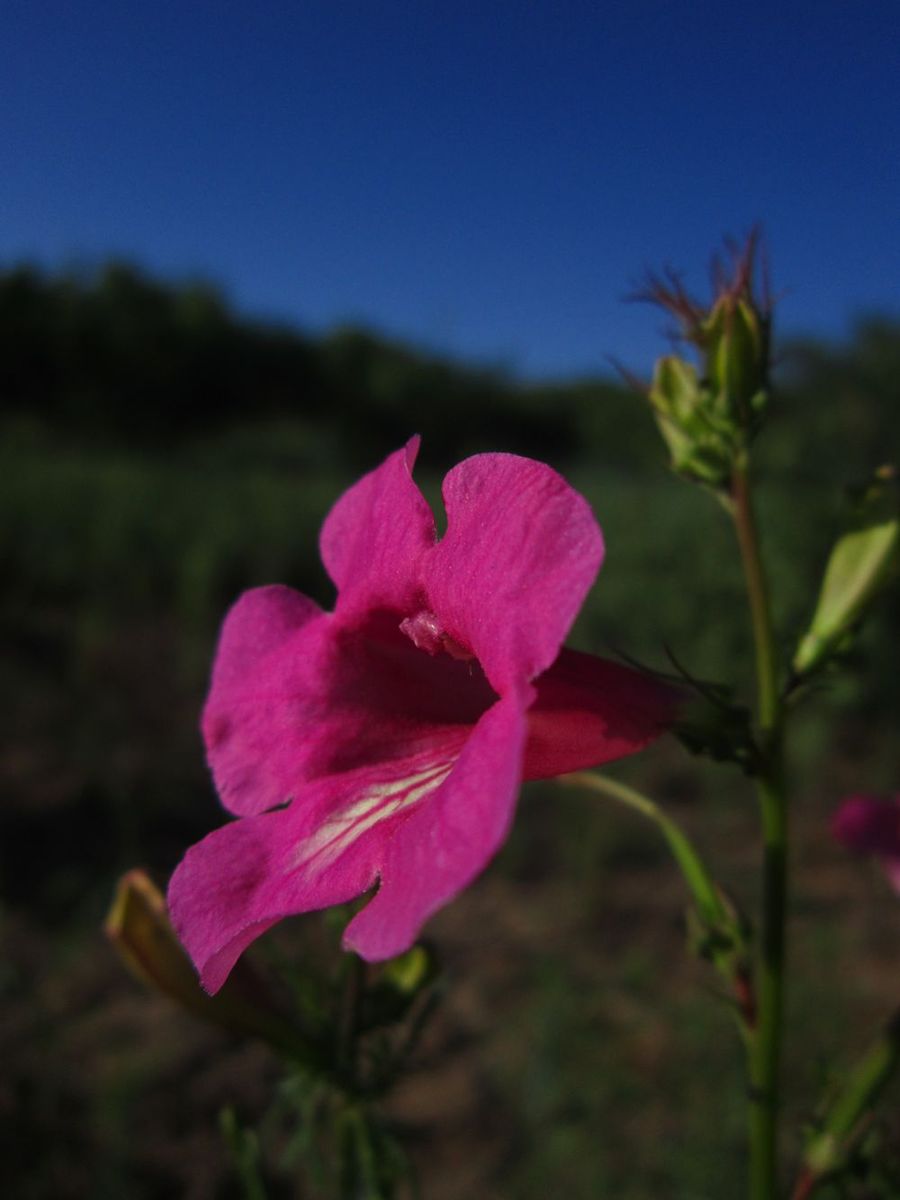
(719, 932)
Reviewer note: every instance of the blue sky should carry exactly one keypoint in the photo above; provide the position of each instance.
(483, 178)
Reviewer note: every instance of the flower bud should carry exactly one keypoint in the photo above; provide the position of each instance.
(735, 339)
(400, 983)
(861, 564)
(139, 928)
(708, 413)
(410, 972)
(700, 443)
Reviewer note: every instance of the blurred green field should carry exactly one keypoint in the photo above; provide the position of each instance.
(580, 1050)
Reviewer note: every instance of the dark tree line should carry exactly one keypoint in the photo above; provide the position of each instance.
(120, 356)
(115, 355)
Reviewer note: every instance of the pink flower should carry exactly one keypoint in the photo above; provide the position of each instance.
(386, 741)
(871, 825)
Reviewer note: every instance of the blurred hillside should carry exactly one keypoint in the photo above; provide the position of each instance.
(123, 358)
(127, 359)
(159, 454)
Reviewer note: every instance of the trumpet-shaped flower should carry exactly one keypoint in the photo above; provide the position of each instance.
(385, 742)
(871, 825)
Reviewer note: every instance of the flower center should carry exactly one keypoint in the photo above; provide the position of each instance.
(427, 633)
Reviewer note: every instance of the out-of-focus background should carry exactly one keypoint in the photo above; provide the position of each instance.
(244, 253)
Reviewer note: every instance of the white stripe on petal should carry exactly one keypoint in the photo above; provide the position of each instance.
(375, 804)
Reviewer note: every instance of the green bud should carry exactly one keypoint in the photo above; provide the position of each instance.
(699, 441)
(410, 972)
(709, 413)
(400, 982)
(139, 928)
(861, 564)
(735, 342)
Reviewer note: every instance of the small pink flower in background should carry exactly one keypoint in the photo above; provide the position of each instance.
(386, 741)
(871, 825)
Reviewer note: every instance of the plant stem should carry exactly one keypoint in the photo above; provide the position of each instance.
(768, 694)
(765, 1044)
(705, 893)
(721, 929)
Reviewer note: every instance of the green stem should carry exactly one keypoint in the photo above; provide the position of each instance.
(700, 884)
(768, 694)
(765, 1043)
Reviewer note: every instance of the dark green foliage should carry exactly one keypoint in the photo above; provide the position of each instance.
(118, 356)
(122, 357)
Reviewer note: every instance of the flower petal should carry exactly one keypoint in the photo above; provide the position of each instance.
(444, 844)
(326, 848)
(328, 700)
(375, 535)
(590, 711)
(259, 622)
(248, 720)
(521, 550)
